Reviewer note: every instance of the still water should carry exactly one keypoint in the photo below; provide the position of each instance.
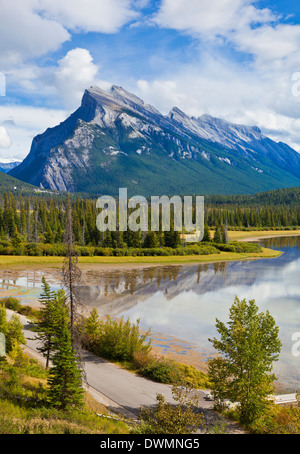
(180, 303)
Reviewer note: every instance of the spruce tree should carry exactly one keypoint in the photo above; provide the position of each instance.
(206, 234)
(65, 375)
(45, 326)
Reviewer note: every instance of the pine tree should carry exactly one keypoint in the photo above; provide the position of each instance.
(65, 376)
(206, 234)
(217, 235)
(45, 326)
(151, 240)
(224, 234)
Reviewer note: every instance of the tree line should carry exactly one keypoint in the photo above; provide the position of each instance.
(39, 220)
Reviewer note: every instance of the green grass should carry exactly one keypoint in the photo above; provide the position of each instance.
(24, 408)
(13, 260)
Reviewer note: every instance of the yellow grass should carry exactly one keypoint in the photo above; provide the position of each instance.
(11, 261)
(241, 235)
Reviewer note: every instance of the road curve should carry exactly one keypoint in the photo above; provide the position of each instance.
(119, 390)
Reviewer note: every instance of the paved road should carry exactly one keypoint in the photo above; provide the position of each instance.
(118, 388)
(121, 391)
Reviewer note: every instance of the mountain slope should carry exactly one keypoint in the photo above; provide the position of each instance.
(11, 184)
(6, 166)
(116, 140)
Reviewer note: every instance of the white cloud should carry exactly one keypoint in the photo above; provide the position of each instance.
(210, 17)
(270, 43)
(33, 28)
(105, 16)
(230, 91)
(75, 72)
(22, 123)
(256, 90)
(4, 138)
(24, 34)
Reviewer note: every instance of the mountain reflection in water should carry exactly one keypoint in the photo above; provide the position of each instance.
(182, 302)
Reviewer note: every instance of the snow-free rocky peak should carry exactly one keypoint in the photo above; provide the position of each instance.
(115, 139)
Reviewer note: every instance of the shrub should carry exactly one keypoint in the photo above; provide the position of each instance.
(161, 370)
(194, 377)
(11, 303)
(166, 418)
(115, 339)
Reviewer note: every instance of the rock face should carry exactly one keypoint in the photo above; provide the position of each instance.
(115, 140)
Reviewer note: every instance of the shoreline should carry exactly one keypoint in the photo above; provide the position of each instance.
(55, 262)
(29, 262)
(175, 347)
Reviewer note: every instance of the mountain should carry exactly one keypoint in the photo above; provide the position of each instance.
(115, 140)
(6, 166)
(11, 184)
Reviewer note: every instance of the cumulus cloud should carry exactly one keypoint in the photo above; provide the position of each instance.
(25, 34)
(269, 43)
(105, 16)
(210, 17)
(33, 28)
(228, 90)
(75, 72)
(248, 28)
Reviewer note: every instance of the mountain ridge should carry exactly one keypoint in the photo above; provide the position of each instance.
(114, 139)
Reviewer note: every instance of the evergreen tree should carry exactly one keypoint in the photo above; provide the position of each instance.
(45, 326)
(16, 239)
(65, 376)
(217, 235)
(151, 240)
(206, 234)
(223, 234)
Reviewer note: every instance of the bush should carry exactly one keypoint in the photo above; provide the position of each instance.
(166, 418)
(115, 339)
(161, 370)
(238, 247)
(194, 377)
(11, 303)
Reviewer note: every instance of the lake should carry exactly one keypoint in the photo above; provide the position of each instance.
(180, 303)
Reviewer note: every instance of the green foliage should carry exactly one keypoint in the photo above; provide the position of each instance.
(35, 225)
(65, 382)
(24, 407)
(239, 247)
(12, 329)
(193, 377)
(249, 345)
(11, 303)
(14, 333)
(114, 339)
(279, 420)
(46, 325)
(167, 418)
(161, 370)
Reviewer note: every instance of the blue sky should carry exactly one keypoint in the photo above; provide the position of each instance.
(235, 59)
